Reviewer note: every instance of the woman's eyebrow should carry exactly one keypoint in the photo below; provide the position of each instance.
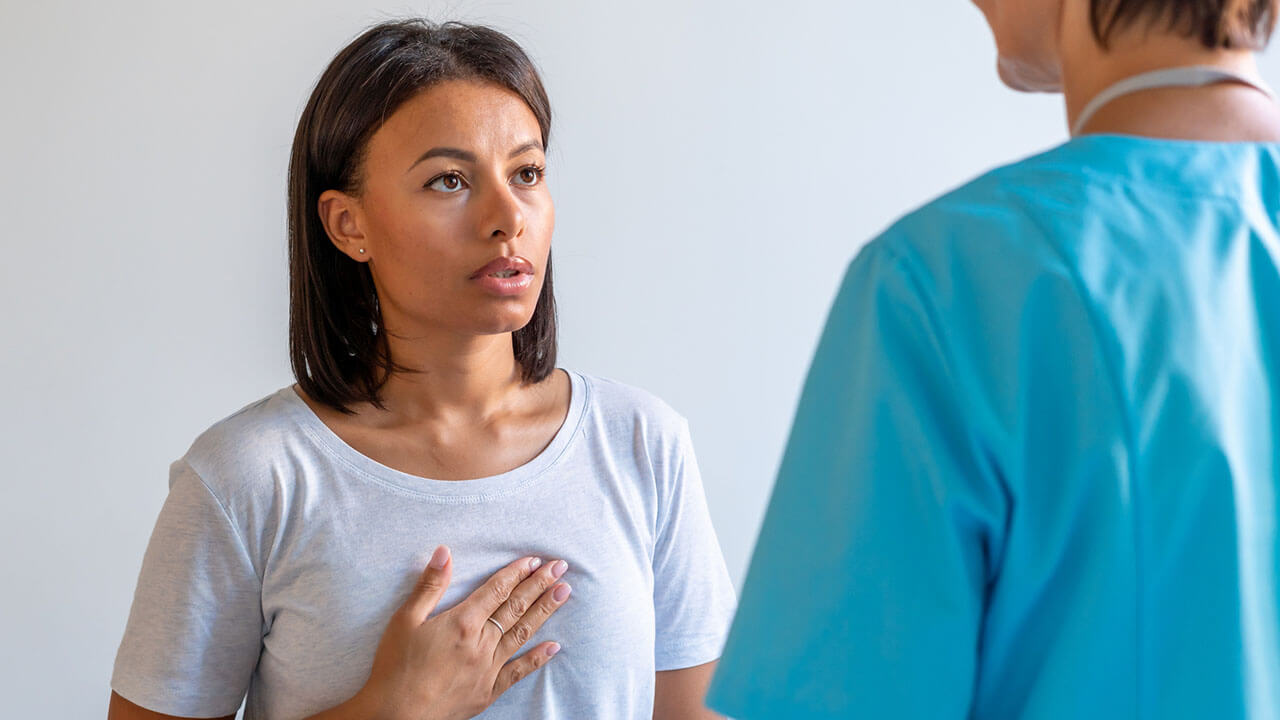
(465, 156)
(448, 152)
(531, 145)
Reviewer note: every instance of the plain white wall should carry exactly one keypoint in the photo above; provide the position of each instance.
(714, 167)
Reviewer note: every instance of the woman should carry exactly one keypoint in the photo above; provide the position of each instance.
(1035, 468)
(288, 560)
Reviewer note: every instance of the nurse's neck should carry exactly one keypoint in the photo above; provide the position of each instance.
(1225, 112)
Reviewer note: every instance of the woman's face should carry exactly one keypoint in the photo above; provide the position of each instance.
(453, 213)
(1027, 33)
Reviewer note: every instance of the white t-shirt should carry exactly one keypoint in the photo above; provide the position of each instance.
(281, 552)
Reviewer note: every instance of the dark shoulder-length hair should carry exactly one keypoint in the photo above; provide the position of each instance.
(337, 343)
(1229, 24)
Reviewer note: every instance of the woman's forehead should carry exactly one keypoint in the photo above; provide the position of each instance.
(481, 118)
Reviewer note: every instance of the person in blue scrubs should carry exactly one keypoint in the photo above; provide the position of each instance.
(1035, 469)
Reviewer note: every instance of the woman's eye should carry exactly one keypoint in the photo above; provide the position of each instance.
(529, 176)
(448, 183)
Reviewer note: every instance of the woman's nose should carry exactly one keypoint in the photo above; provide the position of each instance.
(503, 216)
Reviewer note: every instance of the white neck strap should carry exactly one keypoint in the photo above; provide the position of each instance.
(1179, 77)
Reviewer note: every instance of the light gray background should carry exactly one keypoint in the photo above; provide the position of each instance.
(714, 167)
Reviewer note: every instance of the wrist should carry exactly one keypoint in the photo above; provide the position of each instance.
(370, 704)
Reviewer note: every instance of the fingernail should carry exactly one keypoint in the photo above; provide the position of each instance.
(552, 649)
(559, 568)
(535, 563)
(439, 558)
(562, 593)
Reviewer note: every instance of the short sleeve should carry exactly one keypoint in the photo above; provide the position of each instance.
(865, 593)
(195, 630)
(693, 596)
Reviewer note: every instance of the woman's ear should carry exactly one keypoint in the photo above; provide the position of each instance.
(343, 222)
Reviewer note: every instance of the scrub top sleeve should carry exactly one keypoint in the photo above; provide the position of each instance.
(195, 630)
(865, 593)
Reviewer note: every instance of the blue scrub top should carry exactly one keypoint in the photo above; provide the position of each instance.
(1035, 466)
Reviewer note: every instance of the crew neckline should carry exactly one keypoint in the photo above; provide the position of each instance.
(1185, 142)
(1187, 168)
(452, 491)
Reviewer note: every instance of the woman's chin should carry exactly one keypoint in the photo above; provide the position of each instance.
(1029, 77)
(501, 324)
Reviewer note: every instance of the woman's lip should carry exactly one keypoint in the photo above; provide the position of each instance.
(505, 264)
(504, 286)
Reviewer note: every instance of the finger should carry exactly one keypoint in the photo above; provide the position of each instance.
(487, 598)
(524, 628)
(520, 668)
(528, 592)
(430, 587)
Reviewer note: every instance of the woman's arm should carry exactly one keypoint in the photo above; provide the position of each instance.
(679, 694)
(121, 709)
(692, 593)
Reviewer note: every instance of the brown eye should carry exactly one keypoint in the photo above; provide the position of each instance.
(448, 183)
(529, 176)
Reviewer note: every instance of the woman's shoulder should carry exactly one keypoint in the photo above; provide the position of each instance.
(618, 397)
(246, 442)
(625, 406)
(639, 429)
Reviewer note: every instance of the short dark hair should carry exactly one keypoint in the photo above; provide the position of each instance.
(337, 347)
(1229, 24)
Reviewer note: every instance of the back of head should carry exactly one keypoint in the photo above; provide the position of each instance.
(1218, 24)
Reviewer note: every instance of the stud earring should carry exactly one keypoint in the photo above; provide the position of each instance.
(361, 251)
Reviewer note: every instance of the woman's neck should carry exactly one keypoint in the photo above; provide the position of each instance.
(1223, 112)
(461, 378)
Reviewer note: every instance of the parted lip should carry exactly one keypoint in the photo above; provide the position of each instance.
(503, 264)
